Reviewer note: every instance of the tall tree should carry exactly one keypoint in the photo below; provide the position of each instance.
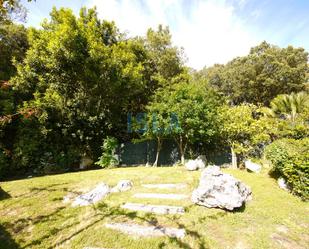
(263, 74)
(75, 71)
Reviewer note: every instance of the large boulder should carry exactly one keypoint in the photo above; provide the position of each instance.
(94, 196)
(253, 167)
(198, 163)
(217, 189)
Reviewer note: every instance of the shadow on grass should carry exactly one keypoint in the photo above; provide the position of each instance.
(6, 240)
(105, 213)
(3, 194)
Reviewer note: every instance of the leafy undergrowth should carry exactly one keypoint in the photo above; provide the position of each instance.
(32, 214)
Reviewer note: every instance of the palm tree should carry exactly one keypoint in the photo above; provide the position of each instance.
(289, 106)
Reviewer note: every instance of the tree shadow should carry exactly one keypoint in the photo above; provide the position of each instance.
(4, 195)
(6, 240)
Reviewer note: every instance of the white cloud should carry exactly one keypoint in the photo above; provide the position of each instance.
(209, 31)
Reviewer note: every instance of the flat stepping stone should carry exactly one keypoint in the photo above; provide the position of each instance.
(161, 196)
(147, 231)
(165, 185)
(158, 209)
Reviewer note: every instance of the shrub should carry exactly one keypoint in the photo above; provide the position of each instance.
(108, 157)
(290, 159)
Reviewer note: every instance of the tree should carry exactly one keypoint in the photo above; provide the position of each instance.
(260, 76)
(159, 124)
(166, 60)
(243, 128)
(12, 10)
(73, 74)
(13, 46)
(194, 110)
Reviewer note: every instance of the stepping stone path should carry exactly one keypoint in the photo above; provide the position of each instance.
(158, 209)
(161, 196)
(165, 185)
(147, 231)
(152, 230)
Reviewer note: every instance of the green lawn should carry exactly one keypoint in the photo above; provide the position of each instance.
(32, 214)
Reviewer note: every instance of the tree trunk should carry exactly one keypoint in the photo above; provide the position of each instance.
(159, 141)
(234, 159)
(182, 150)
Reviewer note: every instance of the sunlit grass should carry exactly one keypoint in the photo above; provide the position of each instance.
(32, 214)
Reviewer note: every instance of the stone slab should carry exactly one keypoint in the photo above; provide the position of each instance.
(147, 231)
(157, 209)
(165, 185)
(160, 196)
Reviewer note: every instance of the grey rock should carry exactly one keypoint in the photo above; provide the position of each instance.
(123, 185)
(198, 163)
(253, 167)
(217, 189)
(94, 196)
(282, 184)
(191, 165)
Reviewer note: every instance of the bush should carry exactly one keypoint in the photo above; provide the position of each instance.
(108, 157)
(290, 159)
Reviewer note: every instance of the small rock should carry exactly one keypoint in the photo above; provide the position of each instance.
(282, 184)
(95, 195)
(123, 185)
(198, 163)
(191, 165)
(217, 189)
(253, 167)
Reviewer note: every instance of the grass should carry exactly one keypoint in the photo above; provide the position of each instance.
(32, 214)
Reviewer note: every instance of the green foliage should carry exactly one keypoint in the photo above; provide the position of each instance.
(290, 159)
(13, 46)
(194, 109)
(243, 127)
(108, 158)
(12, 10)
(291, 106)
(260, 76)
(289, 115)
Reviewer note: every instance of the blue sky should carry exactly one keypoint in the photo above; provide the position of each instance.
(210, 31)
